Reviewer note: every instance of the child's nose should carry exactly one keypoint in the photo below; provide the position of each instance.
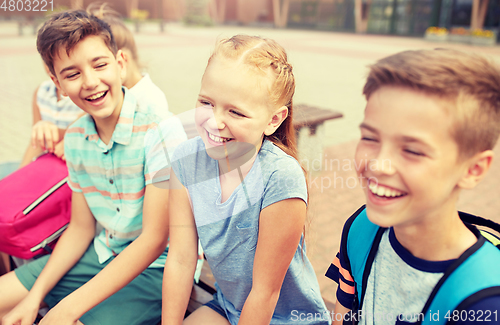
(90, 80)
(216, 121)
(382, 163)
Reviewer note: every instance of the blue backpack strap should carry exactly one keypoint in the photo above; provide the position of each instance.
(481, 262)
(362, 238)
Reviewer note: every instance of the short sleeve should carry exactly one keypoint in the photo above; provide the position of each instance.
(69, 154)
(159, 145)
(340, 272)
(286, 181)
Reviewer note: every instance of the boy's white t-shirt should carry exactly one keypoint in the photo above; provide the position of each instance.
(148, 94)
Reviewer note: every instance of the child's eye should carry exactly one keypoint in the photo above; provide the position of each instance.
(72, 75)
(414, 152)
(205, 103)
(366, 138)
(237, 113)
(101, 65)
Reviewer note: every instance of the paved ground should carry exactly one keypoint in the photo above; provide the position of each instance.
(329, 67)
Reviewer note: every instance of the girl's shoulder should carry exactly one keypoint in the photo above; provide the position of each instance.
(277, 160)
(282, 175)
(280, 169)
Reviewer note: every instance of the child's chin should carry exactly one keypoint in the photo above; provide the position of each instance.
(102, 114)
(217, 153)
(233, 150)
(378, 218)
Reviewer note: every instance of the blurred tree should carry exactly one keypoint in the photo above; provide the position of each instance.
(280, 9)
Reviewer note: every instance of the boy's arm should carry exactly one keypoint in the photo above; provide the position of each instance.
(131, 262)
(59, 147)
(280, 229)
(69, 249)
(339, 310)
(182, 255)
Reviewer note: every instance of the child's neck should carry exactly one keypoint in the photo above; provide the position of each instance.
(233, 172)
(105, 127)
(133, 75)
(438, 238)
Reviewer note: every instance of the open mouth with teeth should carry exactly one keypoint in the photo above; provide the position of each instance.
(383, 192)
(96, 96)
(218, 139)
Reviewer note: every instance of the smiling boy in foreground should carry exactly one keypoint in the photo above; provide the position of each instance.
(431, 122)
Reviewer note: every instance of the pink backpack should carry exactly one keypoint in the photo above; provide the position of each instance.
(35, 208)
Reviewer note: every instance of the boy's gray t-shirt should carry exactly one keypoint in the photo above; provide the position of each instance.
(228, 230)
(399, 284)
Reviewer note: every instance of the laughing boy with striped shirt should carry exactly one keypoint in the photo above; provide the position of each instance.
(114, 277)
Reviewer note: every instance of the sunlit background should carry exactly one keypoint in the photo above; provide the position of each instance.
(330, 44)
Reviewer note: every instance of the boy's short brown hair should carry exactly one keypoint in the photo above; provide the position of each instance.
(65, 29)
(469, 85)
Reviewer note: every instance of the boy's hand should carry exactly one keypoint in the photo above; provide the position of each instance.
(59, 150)
(45, 135)
(24, 313)
(59, 315)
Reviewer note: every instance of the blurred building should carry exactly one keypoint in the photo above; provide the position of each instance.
(400, 17)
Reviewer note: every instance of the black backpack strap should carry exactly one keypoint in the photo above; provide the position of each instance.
(345, 234)
(357, 304)
(478, 221)
(369, 262)
(486, 223)
(348, 320)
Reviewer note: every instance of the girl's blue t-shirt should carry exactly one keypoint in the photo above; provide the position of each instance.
(228, 230)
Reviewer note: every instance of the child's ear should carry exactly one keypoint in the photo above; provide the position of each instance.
(477, 167)
(276, 119)
(120, 59)
(58, 85)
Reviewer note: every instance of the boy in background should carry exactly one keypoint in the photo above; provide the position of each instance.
(114, 278)
(431, 122)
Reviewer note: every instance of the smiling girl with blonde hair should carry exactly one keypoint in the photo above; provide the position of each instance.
(239, 188)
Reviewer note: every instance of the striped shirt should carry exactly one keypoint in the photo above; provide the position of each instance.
(61, 113)
(113, 177)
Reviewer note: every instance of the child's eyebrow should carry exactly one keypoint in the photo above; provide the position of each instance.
(369, 128)
(408, 139)
(71, 67)
(405, 138)
(421, 142)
